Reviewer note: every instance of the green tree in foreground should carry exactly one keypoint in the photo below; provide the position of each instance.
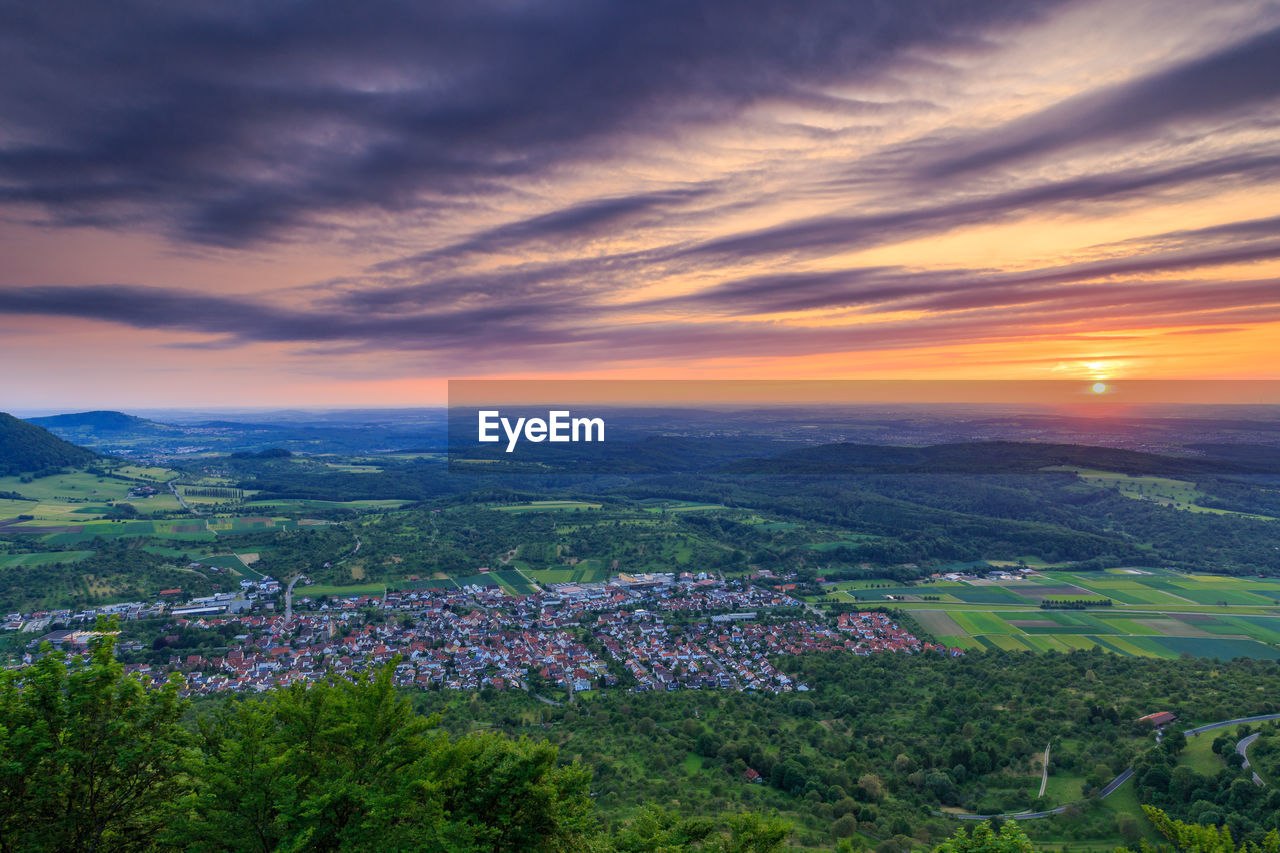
(347, 765)
(1194, 838)
(983, 839)
(92, 761)
(88, 758)
(657, 831)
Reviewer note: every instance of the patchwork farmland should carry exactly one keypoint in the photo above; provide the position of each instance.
(1154, 613)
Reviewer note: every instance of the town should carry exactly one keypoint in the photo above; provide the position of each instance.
(642, 632)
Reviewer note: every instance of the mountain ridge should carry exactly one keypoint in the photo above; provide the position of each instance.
(28, 448)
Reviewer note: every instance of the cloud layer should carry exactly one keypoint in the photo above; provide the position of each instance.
(670, 181)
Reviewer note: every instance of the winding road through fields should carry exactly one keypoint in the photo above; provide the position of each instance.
(1123, 777)
(1242, 747)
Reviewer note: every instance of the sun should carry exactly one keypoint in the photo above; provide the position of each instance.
(1099, 388)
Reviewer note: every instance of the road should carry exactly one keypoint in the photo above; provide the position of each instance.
(288, 592)
(1241, 747)
(181, 502)
(288, 597)
(350, 553)
(1117, 782)
(1124, 777)
(1024, 816)
(1044, 776)
(1211, 726)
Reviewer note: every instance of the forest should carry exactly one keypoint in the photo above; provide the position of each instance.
(90, 760)
(882, 744)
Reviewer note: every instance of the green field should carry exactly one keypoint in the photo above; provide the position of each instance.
(68, 487)
(353, 468)
(292, 503)
(847, 542)
(588, 571)
(478, 579)
(514, 583)
(43, 558)
(317, 590)
(658, 505)
(546, 506)
(1155, 613)
(145, 472)
(1166, 491)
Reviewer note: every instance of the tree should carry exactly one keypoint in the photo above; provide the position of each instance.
(984, 839)
(89, 759)
(1174, 741)
(657, 831)
(347, 765)
(871, 787)
(1194, 838)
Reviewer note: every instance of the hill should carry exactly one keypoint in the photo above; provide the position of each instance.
(95, 421)
(27, 448)
(1008, 457)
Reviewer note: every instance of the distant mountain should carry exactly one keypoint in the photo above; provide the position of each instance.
(242, 426)
(26, 448)
(97, 422)
(997, 457)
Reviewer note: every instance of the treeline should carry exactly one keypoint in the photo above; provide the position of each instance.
(92, 761)
(927, 519)
(1074, 603)
(118, 569)
(879, 743)
(212, 492)
(27, 449)
(898, 519)
(1228, 798)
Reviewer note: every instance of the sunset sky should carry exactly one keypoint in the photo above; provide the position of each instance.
(315, 204)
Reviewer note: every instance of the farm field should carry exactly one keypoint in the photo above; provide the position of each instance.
(299, 504)
(586, 572)
(317, 590)
(346, 465)
(658, 505)
(847, 542)
(547, 506)
(1179, 494)
(78, 486)
(146, 472)
(1154, 613)
(80, 496)
(79, 529)
(43, 558)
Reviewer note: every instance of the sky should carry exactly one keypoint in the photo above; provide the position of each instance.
(337, 205)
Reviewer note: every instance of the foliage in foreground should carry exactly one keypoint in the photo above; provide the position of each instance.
(1195, 838)
(1185, 838)
(89, 760)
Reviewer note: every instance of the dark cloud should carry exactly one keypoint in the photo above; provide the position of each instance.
(232, 122)
(1232, 81)
(894, 288)
(240, 122)
(550, 313)
(560, 330)
(577, 222)
(830, 234)
(247, 320)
